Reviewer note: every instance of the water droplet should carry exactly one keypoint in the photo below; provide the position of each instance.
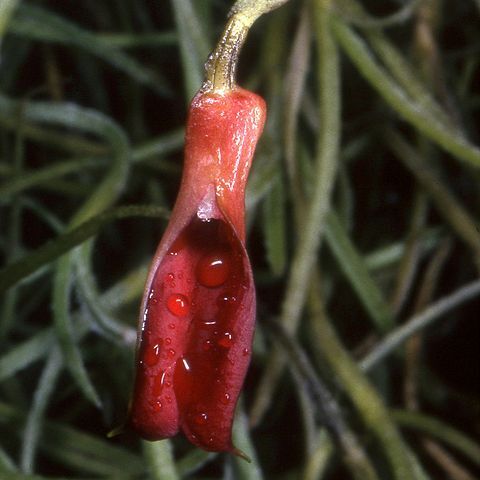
(150, 357)
(178, 304)
(170, 280)
(225, 398)
(157, 406)
(171, 353)
(226, 340)
(168, 341)
(213, 270)
(200, 418)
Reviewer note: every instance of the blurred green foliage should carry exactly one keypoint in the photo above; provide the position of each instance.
(363, 216)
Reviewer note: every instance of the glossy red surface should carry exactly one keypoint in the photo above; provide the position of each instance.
(198, 311)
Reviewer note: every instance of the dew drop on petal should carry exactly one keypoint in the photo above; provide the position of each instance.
(178, 304)
(226, 340)
(152, 353)
(225, 398)
(200, 418)
(213, 270)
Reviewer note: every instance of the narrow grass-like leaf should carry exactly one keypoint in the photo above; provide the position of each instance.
(398, 65)
(193, 44)
(264, 172)
(447, 205)
(6, 463)
(385, 256)
(310, 238)
(24, 476)
(34, 423)
(62, 285)
(44, 175)
(102, 197)
(27, 265)
(243, 441)
(23, 354)
(354, 455)
(87, 287)
(36, 347)
(37, 23)
(160, 146)
(45, 136)
(361, 393)
(354, 268)
(274, 227)
(418, 322)
(362, 19)
(451, 141)
(153, 40)
(159, 456)
(7, 8)
(194, 460)
(440, 431)
(317, 462)
(79, 450)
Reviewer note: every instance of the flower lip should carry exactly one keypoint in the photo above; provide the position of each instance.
(195, 352)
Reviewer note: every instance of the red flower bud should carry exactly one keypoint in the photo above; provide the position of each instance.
(198, 310)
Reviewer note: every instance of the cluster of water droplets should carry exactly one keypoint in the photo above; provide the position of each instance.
(211, 280)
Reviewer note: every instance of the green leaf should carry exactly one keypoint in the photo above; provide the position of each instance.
(356, 271)
(36, 23)
(450, 140)
(79, 450)
(52, 250)
(194, 45)
(274, 227)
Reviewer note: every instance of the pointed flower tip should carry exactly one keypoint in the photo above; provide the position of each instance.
(241, 454)
(115, 432)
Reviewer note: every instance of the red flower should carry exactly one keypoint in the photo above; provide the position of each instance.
(198, 310)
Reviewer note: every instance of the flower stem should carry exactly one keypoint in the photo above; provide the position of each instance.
(221, 65)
